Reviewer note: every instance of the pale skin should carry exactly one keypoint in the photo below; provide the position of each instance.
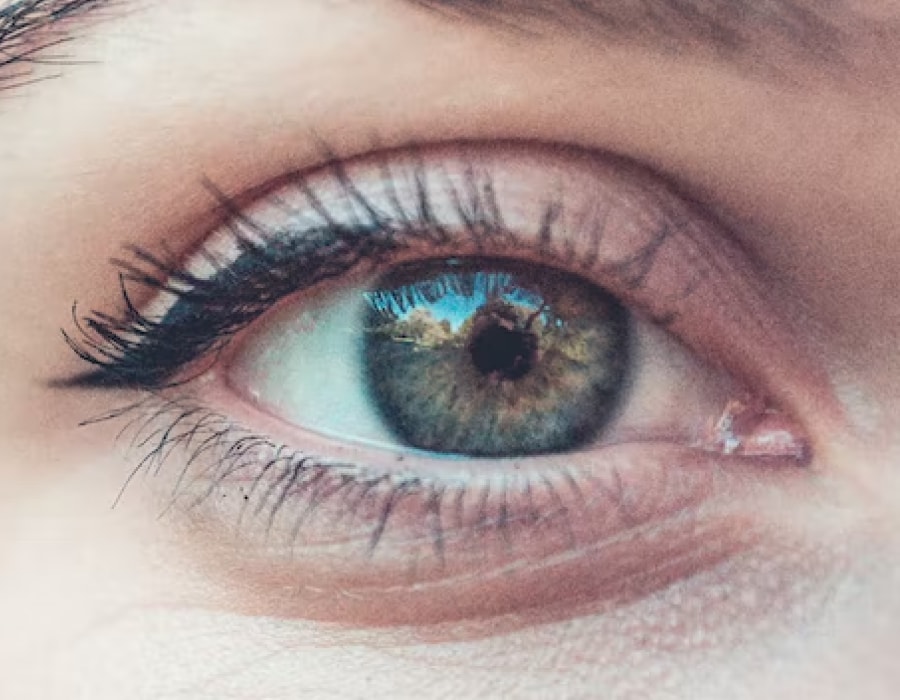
(802, 167)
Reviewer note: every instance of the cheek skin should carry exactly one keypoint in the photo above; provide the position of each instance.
(160, 618)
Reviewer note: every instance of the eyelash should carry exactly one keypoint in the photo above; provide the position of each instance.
(160, 426)
(158, 354)
(138, 351)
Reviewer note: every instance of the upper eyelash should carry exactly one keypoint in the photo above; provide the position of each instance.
(136, 350)
(142, 351)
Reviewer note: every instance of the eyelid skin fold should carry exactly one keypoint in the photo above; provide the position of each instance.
(390, 526)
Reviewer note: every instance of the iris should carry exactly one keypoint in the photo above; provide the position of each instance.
(484, 357)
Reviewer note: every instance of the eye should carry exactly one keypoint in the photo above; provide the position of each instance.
(476, 357)
(467, 377)
(482, 358)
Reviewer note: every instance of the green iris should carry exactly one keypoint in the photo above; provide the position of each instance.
(484, 357)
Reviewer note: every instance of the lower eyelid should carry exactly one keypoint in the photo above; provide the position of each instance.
(601, 540)
(563, 531)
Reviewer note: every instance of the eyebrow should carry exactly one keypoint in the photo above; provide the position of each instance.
(31, 29)
(749, 33)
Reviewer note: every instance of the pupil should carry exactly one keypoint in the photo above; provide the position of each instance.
(501, 352)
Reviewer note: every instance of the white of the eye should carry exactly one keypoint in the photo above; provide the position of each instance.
(670, 392)
(305, 367)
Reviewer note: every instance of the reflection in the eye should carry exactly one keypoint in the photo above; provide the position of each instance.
(485, 358)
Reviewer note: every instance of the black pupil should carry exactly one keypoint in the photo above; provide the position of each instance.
(501, 352)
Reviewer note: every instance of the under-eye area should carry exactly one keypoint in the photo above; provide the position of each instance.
(380, 537)
(471, 379)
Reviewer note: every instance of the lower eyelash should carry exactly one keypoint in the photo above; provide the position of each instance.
(462, 525)
(427, 550)
(219, 457)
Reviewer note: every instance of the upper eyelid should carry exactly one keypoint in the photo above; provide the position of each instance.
(108, 342)
(741, 322)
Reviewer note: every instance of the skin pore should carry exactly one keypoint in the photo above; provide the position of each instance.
(785, 136)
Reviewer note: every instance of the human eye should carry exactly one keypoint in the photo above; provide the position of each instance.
(457, 381)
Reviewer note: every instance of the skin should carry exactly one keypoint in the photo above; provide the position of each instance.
(803, 168)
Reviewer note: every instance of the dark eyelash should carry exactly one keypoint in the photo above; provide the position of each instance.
(135, 350)
(158, 427)
(268, 475)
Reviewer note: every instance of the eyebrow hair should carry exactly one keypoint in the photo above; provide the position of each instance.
(751, 33)
(765, 34)
(30, 29)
